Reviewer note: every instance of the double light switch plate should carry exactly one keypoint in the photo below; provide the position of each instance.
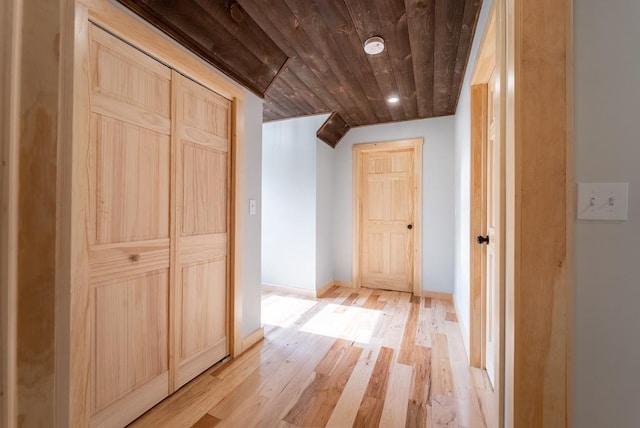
(603, 201)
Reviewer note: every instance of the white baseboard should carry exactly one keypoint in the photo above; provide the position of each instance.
(252, 339)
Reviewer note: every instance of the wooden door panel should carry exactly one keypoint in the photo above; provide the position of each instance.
(204, 111)
(108, 262)
(202, 218)
(204, 197)
(399, 246)
(129, 167)
(399, 209)
(129, 85)
(203, 307)
(132, 182)
(377, 194)
(130, 334)
(202, 247)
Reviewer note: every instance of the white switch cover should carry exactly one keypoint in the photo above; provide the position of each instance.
(603, 201)
(252, 207)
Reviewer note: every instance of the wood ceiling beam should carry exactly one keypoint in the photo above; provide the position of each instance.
(333, 129)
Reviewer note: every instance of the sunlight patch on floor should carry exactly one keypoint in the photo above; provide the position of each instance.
(344, 322)
(284, 311)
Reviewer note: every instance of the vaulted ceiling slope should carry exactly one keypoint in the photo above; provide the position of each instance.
(327, 71)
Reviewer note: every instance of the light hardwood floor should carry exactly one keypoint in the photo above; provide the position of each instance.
(362, 358)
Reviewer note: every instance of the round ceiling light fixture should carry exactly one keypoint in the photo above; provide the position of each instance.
(393, 100)
(374, 45)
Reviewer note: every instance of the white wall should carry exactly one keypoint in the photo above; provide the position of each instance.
(462, 184)
(289, 202)
(607, 290)
(437, 187)
(251, 189)
(324, 214)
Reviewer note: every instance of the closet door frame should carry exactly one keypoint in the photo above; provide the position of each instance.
(125, 25)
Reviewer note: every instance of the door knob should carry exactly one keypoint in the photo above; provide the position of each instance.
(409, 226)
(482, 239)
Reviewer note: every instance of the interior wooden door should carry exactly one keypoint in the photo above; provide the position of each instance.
(128, 170)
(493, 177)
(203, 160)
(388, 205)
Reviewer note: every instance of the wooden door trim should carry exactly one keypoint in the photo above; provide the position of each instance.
(478, 225)
(9, 107)
(483, 69)
(489, 59)
(73, 260)
(539, 212)
(360, 149)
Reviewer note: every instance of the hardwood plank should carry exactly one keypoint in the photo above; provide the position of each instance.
(207, 421)
(396, 401)
(316, 403)
(377, 387)
(409, 337)
(421, 380)
(444, 412)
(369, 413)
(442, 381)
(346, 410)
(417, 414)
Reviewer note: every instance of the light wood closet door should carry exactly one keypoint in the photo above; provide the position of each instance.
(128, 230)
(202, 158)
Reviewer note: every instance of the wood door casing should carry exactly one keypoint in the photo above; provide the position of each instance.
(387, 183)
(493, 217)
(202, 189)
(128, 232)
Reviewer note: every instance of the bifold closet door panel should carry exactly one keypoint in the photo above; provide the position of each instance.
(202, 159)
(129, 230)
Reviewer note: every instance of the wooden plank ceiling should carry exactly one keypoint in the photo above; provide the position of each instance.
(427, 48)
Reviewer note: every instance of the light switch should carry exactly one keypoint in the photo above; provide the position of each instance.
(252, 207)
(603, 201)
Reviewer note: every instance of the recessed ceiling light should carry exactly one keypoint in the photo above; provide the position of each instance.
(374, 45)
(393, 100)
